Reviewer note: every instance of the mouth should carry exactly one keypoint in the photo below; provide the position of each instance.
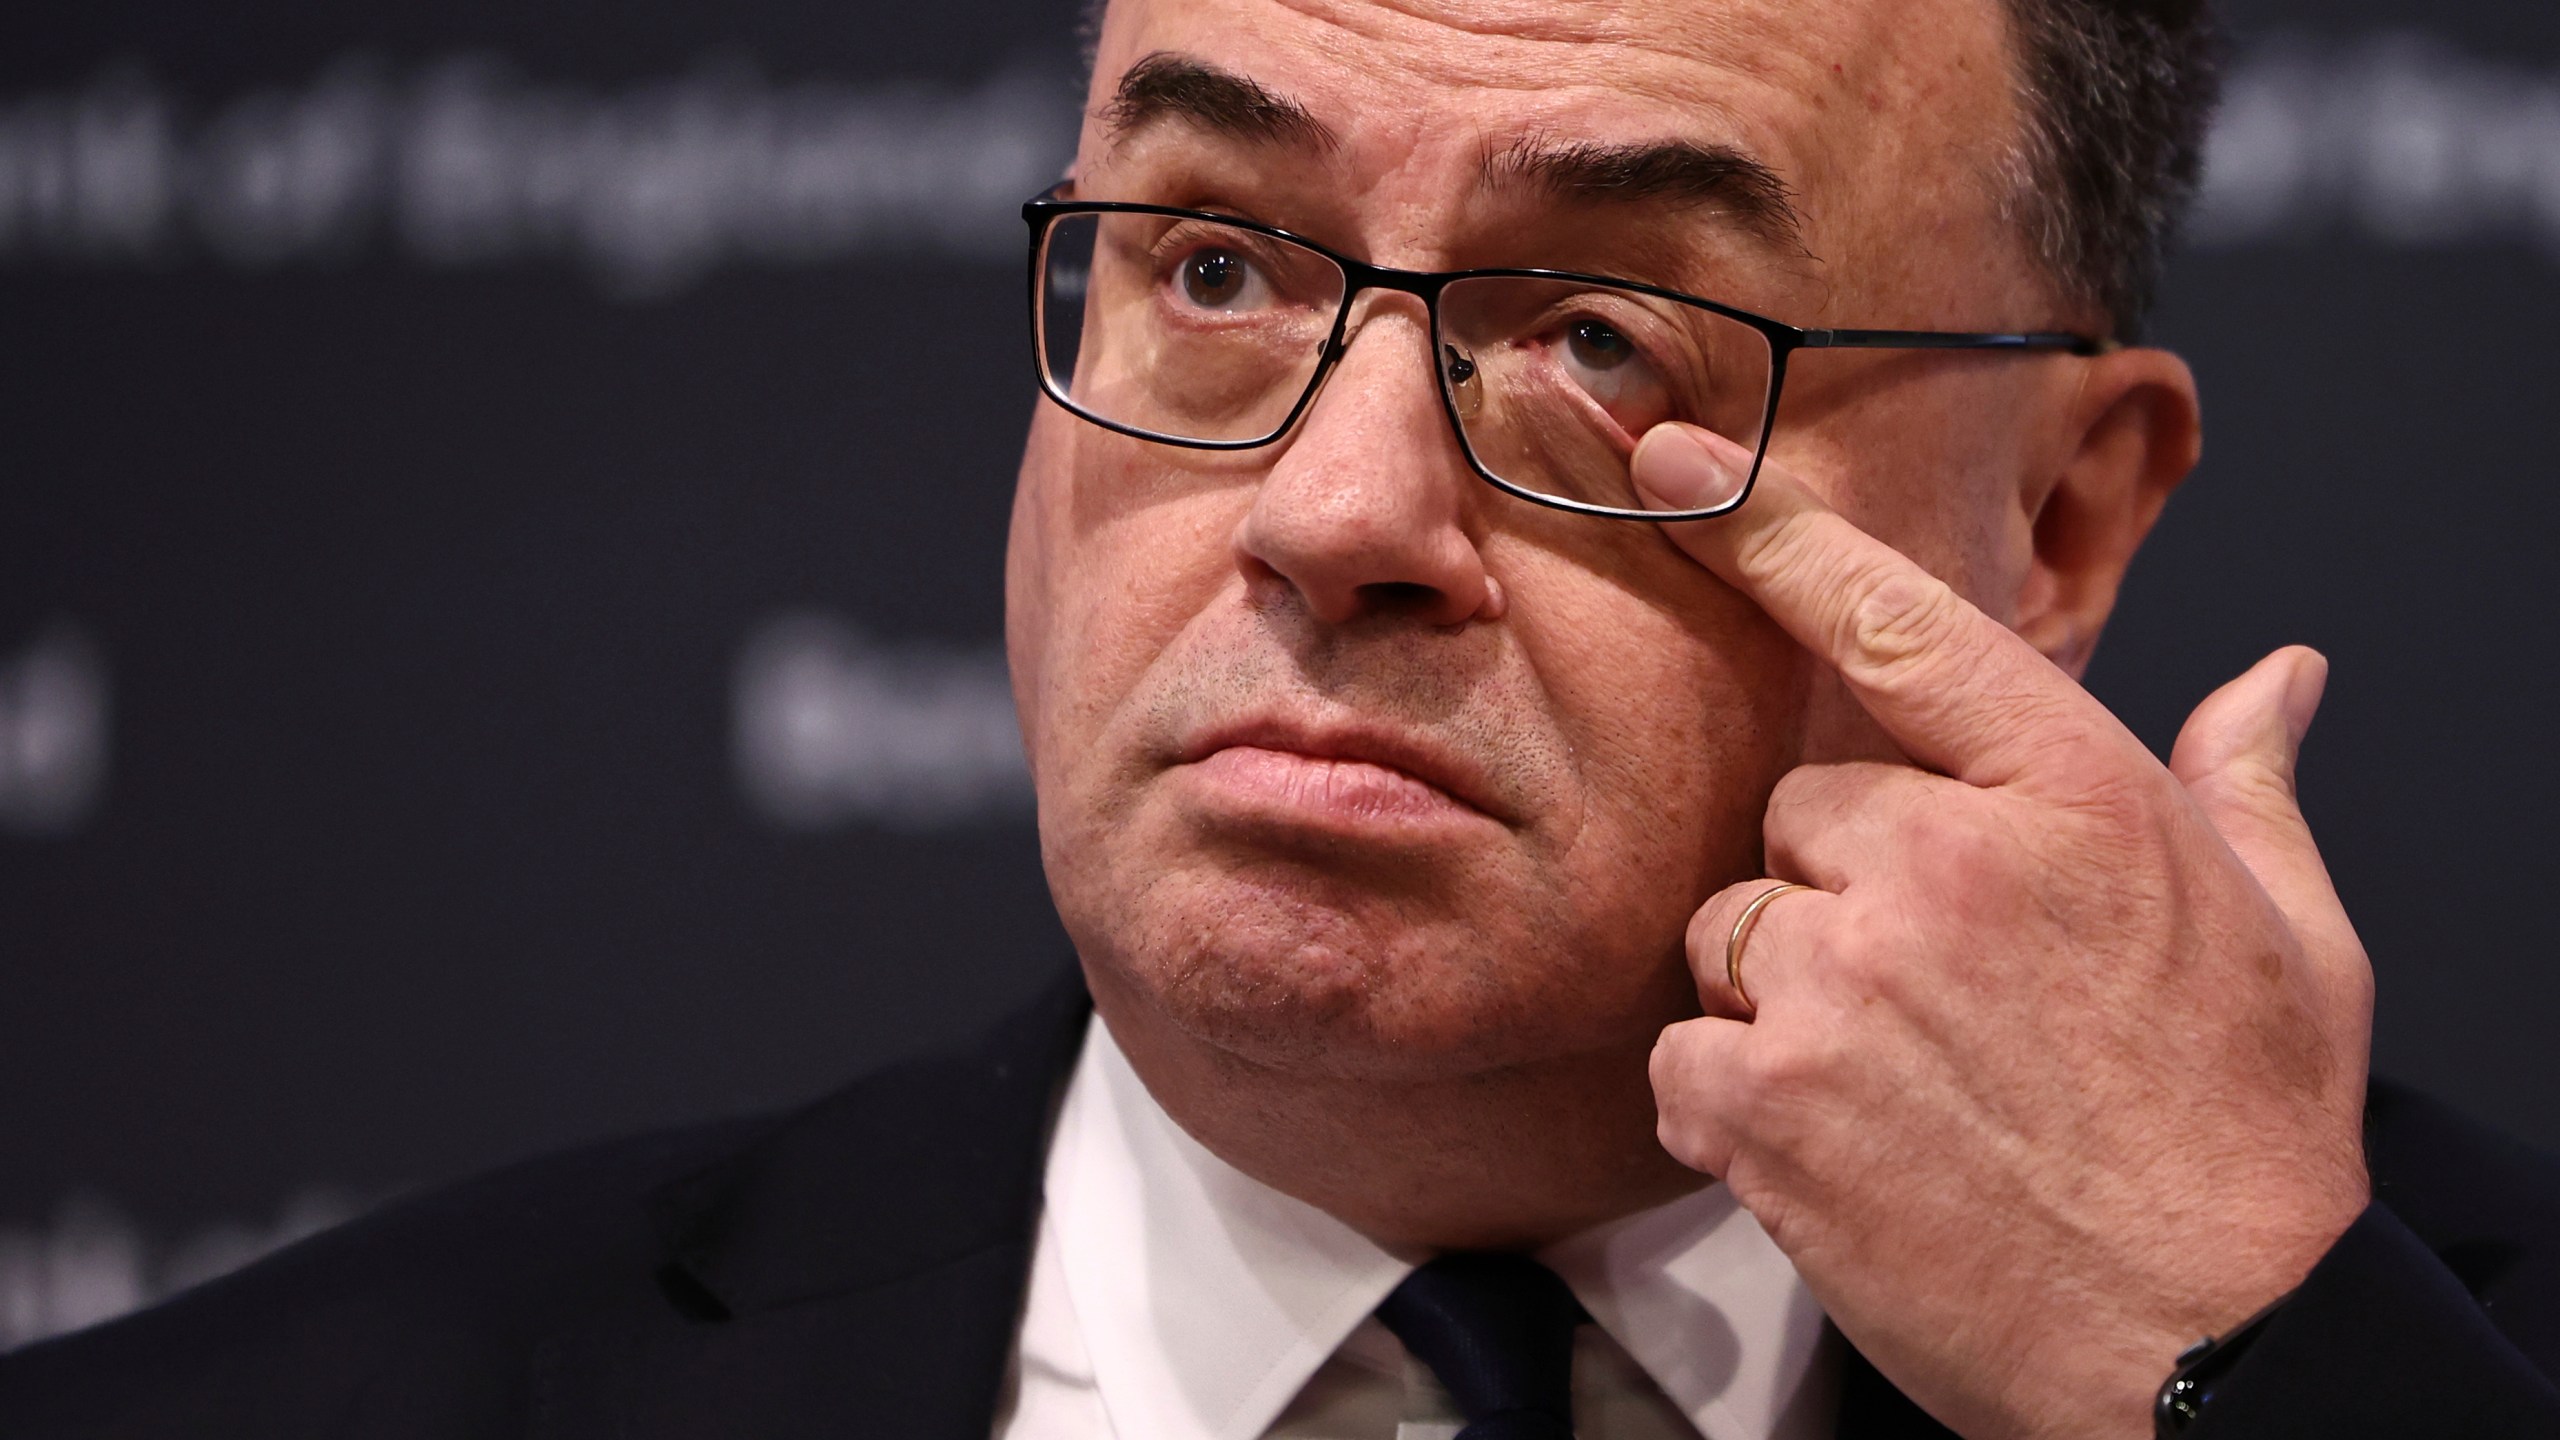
(1338, 776)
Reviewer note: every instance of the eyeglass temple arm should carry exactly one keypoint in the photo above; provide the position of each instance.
(1954, 340)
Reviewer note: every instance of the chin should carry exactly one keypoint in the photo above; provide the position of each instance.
(1277, 965)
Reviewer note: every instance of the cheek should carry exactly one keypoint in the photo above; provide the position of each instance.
(1933, 470)
(1683, 705)
(1931, 463)
(1109, 561)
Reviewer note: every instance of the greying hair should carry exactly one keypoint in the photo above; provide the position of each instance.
(2117, 96)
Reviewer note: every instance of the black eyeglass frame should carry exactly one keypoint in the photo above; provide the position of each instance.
(1043, 212)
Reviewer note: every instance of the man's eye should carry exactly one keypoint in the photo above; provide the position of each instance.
(1597, 347)
(1607, 366)
(1217, 279)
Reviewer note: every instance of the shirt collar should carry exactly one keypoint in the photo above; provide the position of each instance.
(1713, 1310)
(1207, 1299)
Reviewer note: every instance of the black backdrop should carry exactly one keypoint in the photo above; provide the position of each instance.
(498, 605)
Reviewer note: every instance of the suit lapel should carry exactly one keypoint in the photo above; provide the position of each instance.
(855, 1271)
(858, 1269)
(919, 1359)
(922, 1356)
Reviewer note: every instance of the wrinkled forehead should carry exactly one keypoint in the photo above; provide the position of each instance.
(1869, 119)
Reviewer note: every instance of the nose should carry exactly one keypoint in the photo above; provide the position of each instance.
(1371, 509)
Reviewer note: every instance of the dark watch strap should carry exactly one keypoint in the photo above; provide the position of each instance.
(2201, 1367)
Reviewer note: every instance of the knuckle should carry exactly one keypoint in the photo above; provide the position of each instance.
(1956, 845)
(1818, 793)
(2045, 740)
(2126, 799)
(1711, 926)
(1707, 929)
(1900, 623)
(1663, 1066)
(1821, 809)
(1699, 1147)
(1792, 544)
(2252, 786)
(1682, 1054)
(1800, 810)
(1659, 1071)
(1685, 1127)
(1778, 1069)
(1798, 789)
(1866, 954)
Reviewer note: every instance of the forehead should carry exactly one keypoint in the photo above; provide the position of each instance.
(1880, 116)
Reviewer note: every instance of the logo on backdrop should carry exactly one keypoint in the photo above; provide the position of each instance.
(466, 162)
(92, 1264)
(831, 727)
(2400, 139)
(53, 732)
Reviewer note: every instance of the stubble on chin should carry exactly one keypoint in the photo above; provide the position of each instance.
(1422, 964)
(1270, 967)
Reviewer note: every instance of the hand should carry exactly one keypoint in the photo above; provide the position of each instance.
(2064, 1067)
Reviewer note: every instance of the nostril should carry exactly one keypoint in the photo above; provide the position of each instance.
(1404, 595)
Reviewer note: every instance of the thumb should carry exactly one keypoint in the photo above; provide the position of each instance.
(2236, 757)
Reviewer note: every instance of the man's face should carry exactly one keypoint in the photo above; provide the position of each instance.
(1347, 761)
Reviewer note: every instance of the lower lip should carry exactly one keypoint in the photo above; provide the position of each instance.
(1348, 794)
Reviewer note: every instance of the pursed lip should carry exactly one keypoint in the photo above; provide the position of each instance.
(1407, 755)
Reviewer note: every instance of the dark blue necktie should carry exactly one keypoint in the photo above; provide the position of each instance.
(1498, 1331)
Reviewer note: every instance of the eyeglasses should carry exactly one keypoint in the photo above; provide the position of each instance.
(1212, 332)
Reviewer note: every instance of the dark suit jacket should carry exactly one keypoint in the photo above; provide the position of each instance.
(854, 1269)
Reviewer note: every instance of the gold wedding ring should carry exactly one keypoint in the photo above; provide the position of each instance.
(1742, 931)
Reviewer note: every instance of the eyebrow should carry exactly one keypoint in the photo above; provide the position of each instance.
(1178, 88)
(1679, 171)
(1169, 87)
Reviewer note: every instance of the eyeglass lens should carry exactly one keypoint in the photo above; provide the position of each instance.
(1192, 330)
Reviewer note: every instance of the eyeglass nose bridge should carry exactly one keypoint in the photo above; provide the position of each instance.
(1358, 279)
(1459, 377)
(1455, 373)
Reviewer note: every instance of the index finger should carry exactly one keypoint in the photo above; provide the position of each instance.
(1960, 692)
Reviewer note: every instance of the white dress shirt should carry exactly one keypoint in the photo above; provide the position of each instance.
(1173, 1297)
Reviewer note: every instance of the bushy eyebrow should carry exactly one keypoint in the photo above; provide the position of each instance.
(1170, 87)
(1682, 171)
(1167, 86)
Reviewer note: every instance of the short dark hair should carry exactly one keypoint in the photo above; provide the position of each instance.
(2117, 96)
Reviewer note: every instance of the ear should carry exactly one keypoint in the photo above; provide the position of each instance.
(2131, 432)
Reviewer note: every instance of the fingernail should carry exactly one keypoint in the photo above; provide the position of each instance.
(2302, 693)
(1678, 469)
